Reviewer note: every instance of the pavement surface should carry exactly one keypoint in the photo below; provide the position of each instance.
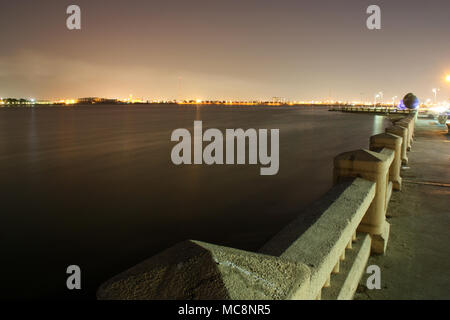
(417, 262)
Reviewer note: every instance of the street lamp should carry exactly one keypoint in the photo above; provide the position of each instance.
(447, 78)
(375, 102)
(381, 96)
(435, 91)
(393, 101)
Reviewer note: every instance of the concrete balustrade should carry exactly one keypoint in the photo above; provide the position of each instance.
(380, 110)
(296, 264)
(403, 133)
(375, 167)
(323, 244)
(393, 142)
(412, 119)
(408, 125)
(322, 254)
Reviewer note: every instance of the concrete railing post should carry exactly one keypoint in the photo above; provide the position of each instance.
(406, 123)
(390, 141)
(371, 166)
(403, 133)
(412, 118)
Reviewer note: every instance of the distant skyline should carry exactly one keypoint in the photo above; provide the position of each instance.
(217, 50)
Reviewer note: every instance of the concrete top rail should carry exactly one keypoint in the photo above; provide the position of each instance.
(321, 245)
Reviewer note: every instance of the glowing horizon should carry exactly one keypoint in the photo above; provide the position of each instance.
(234, 50)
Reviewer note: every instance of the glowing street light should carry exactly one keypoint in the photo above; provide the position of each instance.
(393, 101)
(435, 91)
(381, 96)
(447, 78)
(375, 102)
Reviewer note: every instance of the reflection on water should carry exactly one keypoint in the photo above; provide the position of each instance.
(95, 186)
(378, 124)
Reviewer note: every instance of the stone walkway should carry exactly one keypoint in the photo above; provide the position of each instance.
(417, 262)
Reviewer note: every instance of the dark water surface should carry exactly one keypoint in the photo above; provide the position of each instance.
(95, 186)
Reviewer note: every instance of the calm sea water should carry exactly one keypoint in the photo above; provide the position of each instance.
(94, 186)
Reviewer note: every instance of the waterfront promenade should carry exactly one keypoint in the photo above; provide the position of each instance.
(417, 261)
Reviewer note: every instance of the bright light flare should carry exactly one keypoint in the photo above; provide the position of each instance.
(440, 108)
(69, 101)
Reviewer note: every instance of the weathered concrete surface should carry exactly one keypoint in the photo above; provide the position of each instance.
(391, 141)
(403, 133)
(372, 166)
(198, 270)
(344, 284)
(322, 244)
(417, 265)
(359, 190)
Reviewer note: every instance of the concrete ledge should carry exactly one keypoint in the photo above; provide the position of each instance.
(322, 245)
(198, 270)
(343, 285)
(291, 233)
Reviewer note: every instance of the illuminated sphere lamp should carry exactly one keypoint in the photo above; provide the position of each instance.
(410, 101)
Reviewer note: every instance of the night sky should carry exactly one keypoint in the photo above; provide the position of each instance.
(233, 49)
